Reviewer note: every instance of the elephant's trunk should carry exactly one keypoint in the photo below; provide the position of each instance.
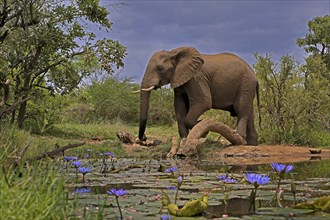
(149, 82)
(144, 108)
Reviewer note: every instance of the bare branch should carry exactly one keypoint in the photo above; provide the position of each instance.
(21, 155)
(12, 107)
(55, 152)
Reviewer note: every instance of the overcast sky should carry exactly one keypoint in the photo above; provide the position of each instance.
(211, 26)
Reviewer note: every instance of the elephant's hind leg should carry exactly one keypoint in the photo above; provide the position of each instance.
(251, 133)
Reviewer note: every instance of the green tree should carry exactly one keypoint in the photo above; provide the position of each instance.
(280, 87)
(316, 72)
(46, 44)
(317, 40)
(295, 99)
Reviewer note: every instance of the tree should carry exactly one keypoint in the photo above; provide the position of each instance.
(46, 45)
(317, 40)
(316, 71)
(280, 87)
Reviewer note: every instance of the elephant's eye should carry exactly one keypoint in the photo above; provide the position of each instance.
(160, 68)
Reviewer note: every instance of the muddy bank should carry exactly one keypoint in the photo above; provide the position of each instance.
(245, 155)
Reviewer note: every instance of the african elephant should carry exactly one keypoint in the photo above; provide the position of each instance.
(201, 82)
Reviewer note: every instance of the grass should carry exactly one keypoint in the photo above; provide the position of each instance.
(37, 196)
(38, 190)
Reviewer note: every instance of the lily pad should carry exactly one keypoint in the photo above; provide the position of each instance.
(288, 212)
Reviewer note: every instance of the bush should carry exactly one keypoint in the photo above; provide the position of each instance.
(112, 100)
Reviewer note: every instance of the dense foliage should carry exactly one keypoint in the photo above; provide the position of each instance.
(46, 47)
(113, 100)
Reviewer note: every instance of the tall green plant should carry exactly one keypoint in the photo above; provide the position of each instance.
(38, 194)
(28, 192)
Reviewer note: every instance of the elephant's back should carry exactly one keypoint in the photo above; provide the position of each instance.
(225, 58)
(223, 63)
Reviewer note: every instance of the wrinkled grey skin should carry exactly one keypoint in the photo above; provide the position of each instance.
(201, 82)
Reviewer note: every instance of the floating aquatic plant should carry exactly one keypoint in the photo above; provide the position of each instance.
(76, 164)
(230, 180)
(67, 159)
(171, 170)
(165, 217)
(104, 157)
(180, 181)
(83, 190)
(117, 194)
(256, 180)
(222, 177)
(171, 188)
(74, 158)
(190, 208)
(226, 179)
(84, 171)
(281, 170)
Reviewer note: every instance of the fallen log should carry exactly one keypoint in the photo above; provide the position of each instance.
(128, 138)
(189, 146)
(55, 152)
(125, 137)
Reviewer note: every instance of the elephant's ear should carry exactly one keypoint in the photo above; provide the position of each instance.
(187, 62)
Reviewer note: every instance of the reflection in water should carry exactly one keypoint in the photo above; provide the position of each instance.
(236, 207)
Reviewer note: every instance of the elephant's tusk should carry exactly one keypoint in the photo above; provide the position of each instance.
(148, 89)
(144, 90)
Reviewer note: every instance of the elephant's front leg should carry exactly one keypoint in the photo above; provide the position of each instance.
(181, 106)
(195, 111)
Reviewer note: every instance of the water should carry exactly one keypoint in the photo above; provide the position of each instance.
(144, 182)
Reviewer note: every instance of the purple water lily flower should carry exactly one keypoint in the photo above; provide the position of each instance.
(230, 180)
(67, 158)
(84, 170)
(109, 154)
(180, 179)
(115, 192)
(258, 179)
(222, 177)
(280, 168)
(76, 164)
(171, 188)
(83, 190)
(74, 158)
(165, 217)
(171, 170)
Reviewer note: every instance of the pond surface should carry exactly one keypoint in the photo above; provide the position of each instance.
(144, 181)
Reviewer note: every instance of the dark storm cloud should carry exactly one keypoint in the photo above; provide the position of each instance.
(241, 27)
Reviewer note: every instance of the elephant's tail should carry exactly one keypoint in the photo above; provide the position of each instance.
(258, 103)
